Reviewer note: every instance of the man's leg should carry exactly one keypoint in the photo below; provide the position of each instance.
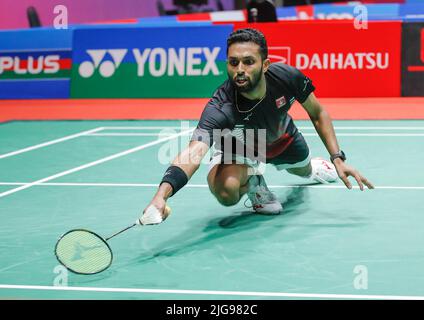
(317, 169)
(228, 182)
(304, 172)
(296, 160)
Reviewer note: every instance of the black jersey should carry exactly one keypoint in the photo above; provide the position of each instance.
(229, 111)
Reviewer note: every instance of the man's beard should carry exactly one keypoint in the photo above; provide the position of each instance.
(251, 83)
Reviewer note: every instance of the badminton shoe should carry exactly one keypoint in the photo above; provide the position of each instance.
(323, 171)
(262, 199)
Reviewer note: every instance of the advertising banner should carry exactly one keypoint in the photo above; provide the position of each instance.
(412, 12)
(170, 62)
(341, 60)
(373, 11)
(413, 59)
(35, 64)
(340, 12)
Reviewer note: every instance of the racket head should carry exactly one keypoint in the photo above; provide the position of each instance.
(82, 251)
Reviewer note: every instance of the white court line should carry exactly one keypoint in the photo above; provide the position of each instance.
(148, 128)
(48, 143)
(212, 292)
(369, 134)
(304, 134)
(131, 134)
(368, 128)
(302, 128)
(138, 185)
(91, 164)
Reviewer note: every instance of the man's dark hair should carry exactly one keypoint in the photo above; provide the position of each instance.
(249, 35)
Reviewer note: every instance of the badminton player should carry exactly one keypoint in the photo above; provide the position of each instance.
(256, 96)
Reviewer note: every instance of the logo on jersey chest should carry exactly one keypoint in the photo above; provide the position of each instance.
(247, 118)
(281, 102)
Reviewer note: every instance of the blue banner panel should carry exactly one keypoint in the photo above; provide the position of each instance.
(38, 38)
(374, 11)
(383, 11)
(35, 63)
(412, 12)
(340, 12)
(332, 12)
(139, 38)
(13, 89)
(286, 13)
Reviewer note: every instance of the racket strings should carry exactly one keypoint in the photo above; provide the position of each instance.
(84, 252)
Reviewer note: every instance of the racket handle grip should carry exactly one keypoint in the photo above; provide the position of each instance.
(153, 216)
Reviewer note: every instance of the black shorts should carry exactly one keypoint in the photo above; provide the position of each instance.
(296, 155)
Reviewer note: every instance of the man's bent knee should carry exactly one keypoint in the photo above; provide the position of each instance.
(228, 191)
(225, 183)
(228, 199)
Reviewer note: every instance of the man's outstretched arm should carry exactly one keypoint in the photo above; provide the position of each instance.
(324, 127)
(181, 170)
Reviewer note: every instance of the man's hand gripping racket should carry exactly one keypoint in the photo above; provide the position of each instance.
(85, 252)
(155, 213)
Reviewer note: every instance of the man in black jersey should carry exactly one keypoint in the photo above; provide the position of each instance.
(247, 124)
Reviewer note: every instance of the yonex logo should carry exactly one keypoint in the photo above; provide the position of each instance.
(181, 61)
(106, 68)
(158, 61)
(247, 118)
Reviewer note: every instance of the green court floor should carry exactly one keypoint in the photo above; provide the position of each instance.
(56, 176)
